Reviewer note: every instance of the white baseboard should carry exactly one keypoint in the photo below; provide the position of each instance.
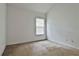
(2, 50)
(65, 44)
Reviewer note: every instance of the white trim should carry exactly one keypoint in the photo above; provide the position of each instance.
(68, 45)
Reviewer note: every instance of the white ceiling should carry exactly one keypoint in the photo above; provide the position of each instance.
(38, 7)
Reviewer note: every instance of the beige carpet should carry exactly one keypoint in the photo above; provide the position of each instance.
(41, 48)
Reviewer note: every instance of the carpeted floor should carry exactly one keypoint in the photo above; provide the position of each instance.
(41, 48)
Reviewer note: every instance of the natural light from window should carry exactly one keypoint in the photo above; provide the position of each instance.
(40, 26)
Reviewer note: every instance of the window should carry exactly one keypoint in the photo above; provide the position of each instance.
(40, 26)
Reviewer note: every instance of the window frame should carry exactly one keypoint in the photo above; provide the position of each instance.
(44, 26)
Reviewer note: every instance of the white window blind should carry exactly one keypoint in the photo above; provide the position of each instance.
(40, 26)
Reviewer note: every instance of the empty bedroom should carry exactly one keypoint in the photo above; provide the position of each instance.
(39, 29)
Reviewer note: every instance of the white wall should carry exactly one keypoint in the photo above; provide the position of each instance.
(2, 27)
(63, 24)
(21, 25)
